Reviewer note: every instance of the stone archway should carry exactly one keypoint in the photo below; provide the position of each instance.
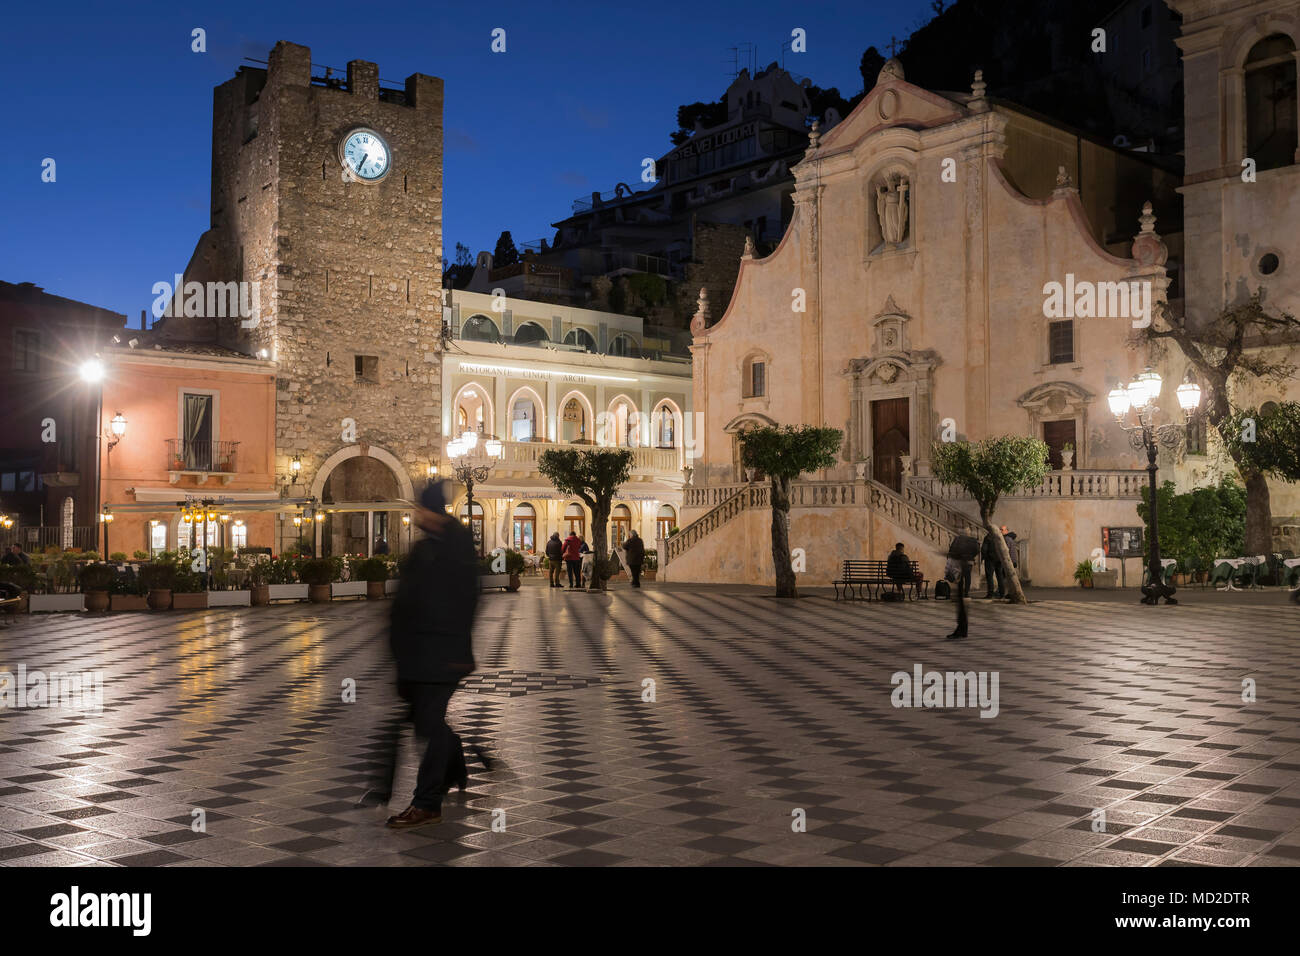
(354, 477)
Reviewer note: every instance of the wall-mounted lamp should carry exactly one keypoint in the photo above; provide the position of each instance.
(117, 428)
(406, 520)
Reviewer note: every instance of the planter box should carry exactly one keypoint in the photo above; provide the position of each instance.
(56, 602)
(189, 602)
(486, 581)
(390, 586)
(1105, 579)
(230, 598)
(348, 589)
(128, 602)
(288, 592)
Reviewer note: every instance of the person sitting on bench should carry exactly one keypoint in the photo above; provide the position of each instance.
(899, 568)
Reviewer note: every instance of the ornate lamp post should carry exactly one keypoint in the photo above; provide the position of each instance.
(1140, 396)
(471, 464)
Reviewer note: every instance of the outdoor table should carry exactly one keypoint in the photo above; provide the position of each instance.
(1232, 564)
(1292, 573)
(1166, 570)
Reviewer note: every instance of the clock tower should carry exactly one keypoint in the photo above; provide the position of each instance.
(327, 200)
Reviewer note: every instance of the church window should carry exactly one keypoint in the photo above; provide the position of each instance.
(1060, 342)
(366, 368)
(755, 378)
(1271, 102)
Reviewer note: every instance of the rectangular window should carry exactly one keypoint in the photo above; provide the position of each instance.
(239, 535)
(196, 432)
(26, 481)
(157, 538)
(1196, 437)
(1060, 342)
(366, 369)
(757, 379)
(7, 481)
(1146, 16)
(27, 347)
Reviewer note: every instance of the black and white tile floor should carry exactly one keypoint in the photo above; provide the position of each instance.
(761, 709)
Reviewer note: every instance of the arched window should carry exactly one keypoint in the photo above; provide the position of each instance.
(624, 347)
(665, 521)
(479, 328)
(573, 421)
(620, 525)
(1271, 102)
(664, 423)
(523, 418)
(530, 333)
(575, 520)
(753, 382)
(581, 338)
(524, 527)
(623, 421)
(471, 407)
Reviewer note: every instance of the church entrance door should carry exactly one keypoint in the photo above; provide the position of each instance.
(890, 437)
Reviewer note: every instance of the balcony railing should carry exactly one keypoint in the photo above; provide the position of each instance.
(213, 457)
(519, 455)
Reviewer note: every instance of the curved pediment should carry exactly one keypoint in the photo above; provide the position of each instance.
(1049, 394)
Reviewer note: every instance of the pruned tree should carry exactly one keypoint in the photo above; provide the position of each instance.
(1263, 442)
(505, 253)
(783, 453)
(1245, 343)
(594, 476)
(987, 470)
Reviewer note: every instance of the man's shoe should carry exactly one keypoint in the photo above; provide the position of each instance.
(954, 636)
(413, 817)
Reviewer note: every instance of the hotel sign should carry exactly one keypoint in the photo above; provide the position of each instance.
(539, 374)
(717, 140)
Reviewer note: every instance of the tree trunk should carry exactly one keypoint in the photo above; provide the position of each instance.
(599, 544)
(785, 584)
(1010, 580)
(1259, 515)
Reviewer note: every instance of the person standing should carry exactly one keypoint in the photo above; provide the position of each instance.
(15, 555)
(572, 553)
(634, 549)
(587, 558)
(430, 636)
(554, 557)
(963, 550)
(992, 566)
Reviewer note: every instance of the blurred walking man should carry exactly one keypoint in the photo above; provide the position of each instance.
(433, 617)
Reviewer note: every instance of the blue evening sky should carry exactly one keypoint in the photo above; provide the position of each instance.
(584, 91)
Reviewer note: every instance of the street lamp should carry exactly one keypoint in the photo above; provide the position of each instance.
(1140, 396)
(471, 464)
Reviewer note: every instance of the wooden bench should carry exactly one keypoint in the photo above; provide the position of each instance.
(871, 577)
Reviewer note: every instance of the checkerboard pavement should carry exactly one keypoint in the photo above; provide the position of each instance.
(761, 708)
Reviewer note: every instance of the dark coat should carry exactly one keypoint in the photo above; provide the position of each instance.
(634, 548)
(554, 549)
(898, 566)
(989, 549)
(433, 614)
(1010, 539)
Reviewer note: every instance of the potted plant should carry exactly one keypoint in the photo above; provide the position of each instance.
(140, 555)
(492, 573)
(189, 587)
(514, 567)
(95, 580)
(374, 571)
(318, 574)
(127, 593)
(158, 578)
(1083, 574)
(282, 578)
(259, 591)
(1067, 456)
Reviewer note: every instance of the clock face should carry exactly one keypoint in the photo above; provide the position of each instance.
(365, 153)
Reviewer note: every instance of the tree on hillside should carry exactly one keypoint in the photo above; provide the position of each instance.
(708, 115)
(1228, 351)
(869, 66)
(505, 253)
(988, 470)
(457, 275)
(783, 453)
(595, 477)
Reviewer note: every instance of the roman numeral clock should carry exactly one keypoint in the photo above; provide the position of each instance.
(365, 155)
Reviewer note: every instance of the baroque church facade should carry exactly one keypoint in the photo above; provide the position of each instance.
(945, 277)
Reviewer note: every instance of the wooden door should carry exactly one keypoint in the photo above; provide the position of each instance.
(1058, 435)
(890, 437)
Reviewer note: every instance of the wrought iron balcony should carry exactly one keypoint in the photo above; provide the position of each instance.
(201, 458)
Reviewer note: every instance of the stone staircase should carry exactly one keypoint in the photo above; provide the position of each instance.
(923, 514)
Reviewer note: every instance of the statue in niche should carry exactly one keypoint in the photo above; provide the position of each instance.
(891, 208)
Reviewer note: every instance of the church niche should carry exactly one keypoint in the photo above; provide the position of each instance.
(889, 210)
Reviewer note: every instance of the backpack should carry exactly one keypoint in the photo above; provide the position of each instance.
(942, 590)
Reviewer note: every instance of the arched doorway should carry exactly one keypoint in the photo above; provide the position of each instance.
(665, 521)
(575, 420)
(472, 410)
(350, 527)
(575, 520)
(620, 525)
(526, 416)
(523, 524)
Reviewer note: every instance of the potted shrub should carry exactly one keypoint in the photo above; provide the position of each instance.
(489, 576)
(1067, 456)
(24, 577)
(127, 593)
(140, 555)
(374, 571)
(651, 564)
(282, 578)
(318, 574)
(259, 591)
(158, 577)
(95, 580)
(189, 587)
(515, 565)
(1083, 574)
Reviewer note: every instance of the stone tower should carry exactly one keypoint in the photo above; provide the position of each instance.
(347, 272)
